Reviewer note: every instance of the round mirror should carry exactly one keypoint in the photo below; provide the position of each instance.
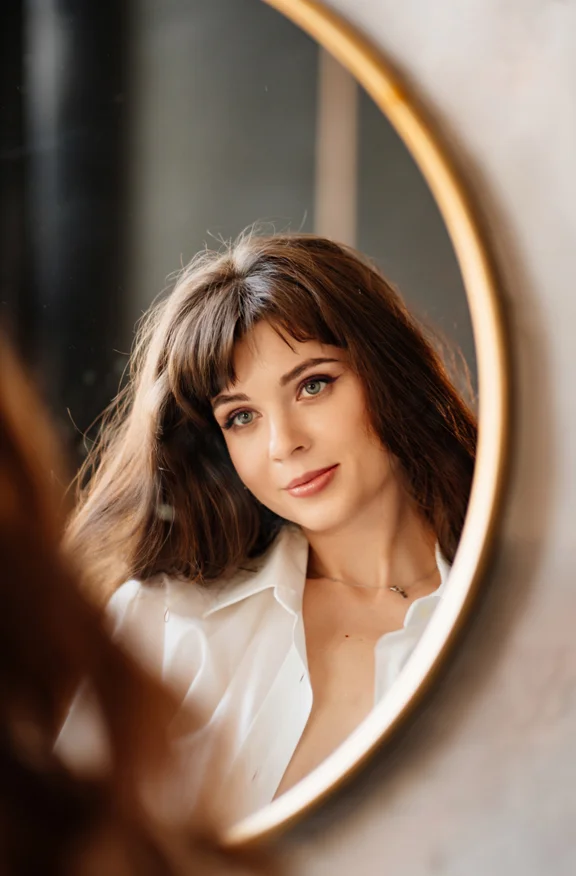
(207, 118)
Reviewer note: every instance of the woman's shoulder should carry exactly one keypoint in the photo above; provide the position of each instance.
(150, 602)
(124, 597)
(148, 599)
(141, 600)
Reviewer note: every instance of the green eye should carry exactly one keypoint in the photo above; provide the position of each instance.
(244, 418)
(314, 387)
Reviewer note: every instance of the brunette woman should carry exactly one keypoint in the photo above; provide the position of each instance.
(282, 485)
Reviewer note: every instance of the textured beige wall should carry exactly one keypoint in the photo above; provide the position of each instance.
(485, 781)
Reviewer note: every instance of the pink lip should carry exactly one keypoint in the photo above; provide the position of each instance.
(312, 482)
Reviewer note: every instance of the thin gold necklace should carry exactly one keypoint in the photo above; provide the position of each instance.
(394, 588)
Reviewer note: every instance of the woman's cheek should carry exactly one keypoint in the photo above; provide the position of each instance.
(247, 470)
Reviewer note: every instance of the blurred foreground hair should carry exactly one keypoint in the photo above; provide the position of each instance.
(53, 821)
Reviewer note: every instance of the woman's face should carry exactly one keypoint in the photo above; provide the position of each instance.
(297, 430)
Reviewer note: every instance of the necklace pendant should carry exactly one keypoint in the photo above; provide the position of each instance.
(399, 590)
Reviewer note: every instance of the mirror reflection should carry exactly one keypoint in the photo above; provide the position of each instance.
(286, 481)
(275, 498)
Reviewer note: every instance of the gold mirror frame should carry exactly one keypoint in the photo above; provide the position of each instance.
(377, 77)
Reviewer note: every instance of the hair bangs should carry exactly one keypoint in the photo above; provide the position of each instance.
(229, 316)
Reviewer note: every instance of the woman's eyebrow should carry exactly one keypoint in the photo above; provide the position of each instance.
(225, 398)
(296, 372)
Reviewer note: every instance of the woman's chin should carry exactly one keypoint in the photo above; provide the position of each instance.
(319, 521)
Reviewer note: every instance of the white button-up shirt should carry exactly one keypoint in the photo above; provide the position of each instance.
(237, 652)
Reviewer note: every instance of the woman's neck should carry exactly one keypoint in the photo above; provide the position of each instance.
(386, 545)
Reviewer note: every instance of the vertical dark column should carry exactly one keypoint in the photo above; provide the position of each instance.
(76, 122)
(15, 304)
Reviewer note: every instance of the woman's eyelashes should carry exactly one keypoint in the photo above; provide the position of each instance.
(231, 422)
(315, 385)
(308, 389)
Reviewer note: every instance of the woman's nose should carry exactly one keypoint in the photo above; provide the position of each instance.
(285, 437)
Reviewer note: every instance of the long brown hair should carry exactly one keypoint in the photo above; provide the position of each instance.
(54, 820)
(159, 492)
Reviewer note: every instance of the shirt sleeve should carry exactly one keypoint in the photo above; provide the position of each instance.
(135, 618)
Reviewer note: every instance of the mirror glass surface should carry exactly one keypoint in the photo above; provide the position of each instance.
(205, 119)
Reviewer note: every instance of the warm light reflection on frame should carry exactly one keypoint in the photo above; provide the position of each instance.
(376, 75)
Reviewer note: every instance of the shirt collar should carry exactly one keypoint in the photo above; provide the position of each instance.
(281, 569)
(421, 610)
